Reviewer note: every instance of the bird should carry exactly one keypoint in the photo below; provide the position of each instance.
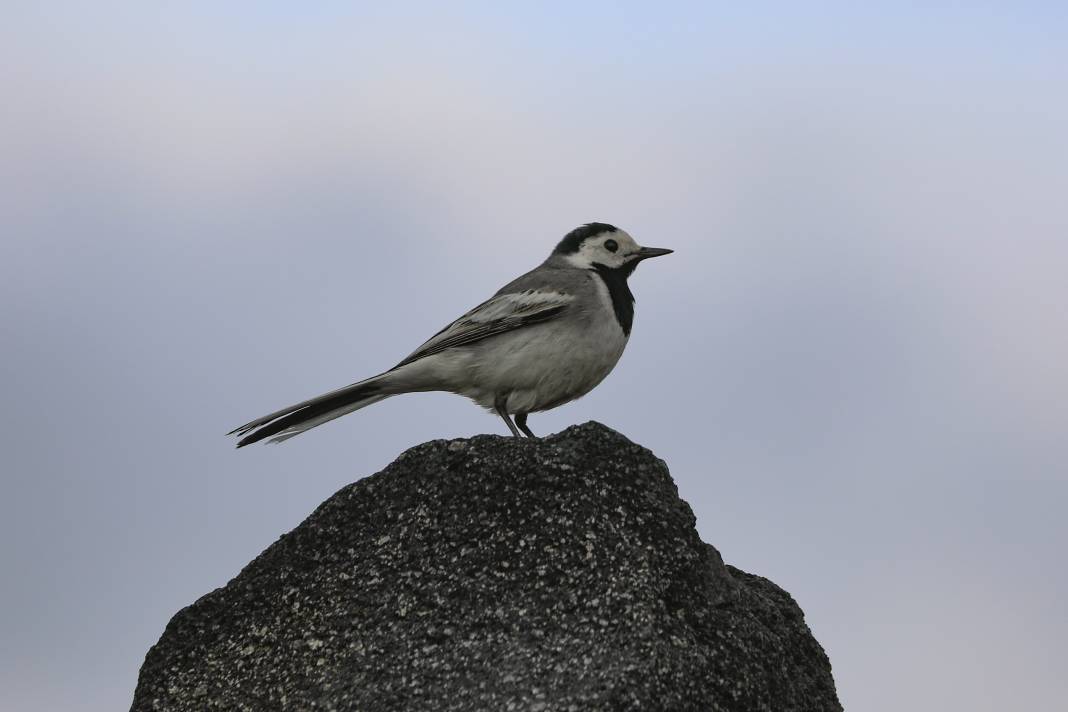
(546, 338)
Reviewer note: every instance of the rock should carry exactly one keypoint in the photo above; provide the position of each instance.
(494, 574)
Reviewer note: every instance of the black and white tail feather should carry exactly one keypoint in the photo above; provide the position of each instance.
(296, 419)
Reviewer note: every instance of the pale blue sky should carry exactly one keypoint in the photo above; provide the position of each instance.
(854, 364)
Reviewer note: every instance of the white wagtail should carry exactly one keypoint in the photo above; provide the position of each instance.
(543, 340)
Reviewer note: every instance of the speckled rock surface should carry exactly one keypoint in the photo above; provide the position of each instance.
(494, 574)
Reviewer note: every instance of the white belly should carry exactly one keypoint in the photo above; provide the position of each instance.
(541, 369)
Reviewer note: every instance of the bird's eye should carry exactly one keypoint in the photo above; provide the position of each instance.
(611, 245)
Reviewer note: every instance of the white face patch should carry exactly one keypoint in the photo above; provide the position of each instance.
(596, 250)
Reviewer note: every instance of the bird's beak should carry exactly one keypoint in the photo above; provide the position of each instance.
(647, 252)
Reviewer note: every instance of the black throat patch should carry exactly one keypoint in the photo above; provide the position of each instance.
(618, 289)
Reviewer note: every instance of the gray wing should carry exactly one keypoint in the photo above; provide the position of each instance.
(502, 313)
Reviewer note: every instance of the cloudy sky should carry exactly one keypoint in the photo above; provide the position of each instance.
(856, 363)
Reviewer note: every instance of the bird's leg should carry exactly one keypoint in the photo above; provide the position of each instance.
(499, 406)
(521, 421)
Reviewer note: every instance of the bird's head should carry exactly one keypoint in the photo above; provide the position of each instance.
(602, 246)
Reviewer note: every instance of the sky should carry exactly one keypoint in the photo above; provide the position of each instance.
(855, 364)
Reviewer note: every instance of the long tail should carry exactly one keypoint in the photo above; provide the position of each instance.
(296, 419)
